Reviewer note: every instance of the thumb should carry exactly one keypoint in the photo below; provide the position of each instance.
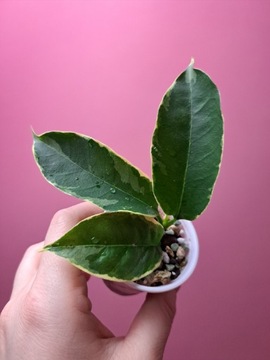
(151, 327)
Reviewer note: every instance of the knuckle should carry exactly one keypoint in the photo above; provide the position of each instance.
(61, 217)
(168, 310)
(32, 249)
(33, 312)
(62, 220)
(171, 309)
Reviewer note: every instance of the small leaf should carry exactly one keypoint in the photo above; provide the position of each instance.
(187, 145)
(119, 246)
(85, 168)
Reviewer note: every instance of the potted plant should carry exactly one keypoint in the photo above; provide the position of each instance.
(138, 240)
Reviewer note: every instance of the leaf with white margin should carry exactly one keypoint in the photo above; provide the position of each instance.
(85, 168)
(119, 246)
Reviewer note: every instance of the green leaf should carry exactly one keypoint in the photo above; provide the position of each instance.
(82, 167)
(187, 145)
(119, 246)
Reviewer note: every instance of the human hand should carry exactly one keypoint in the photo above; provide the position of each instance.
(49, 314)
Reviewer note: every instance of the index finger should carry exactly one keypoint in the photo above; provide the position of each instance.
(54, 269)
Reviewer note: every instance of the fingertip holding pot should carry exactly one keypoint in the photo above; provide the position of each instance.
(132, 288)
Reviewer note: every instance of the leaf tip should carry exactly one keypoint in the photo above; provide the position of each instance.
(34, 134)
(190, 73)
(192, 61)
(43, 249)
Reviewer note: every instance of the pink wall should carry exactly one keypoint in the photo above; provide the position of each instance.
(100, 68)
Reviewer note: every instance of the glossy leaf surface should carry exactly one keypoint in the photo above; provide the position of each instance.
(187, 145)
(82, 167)
(117, 246)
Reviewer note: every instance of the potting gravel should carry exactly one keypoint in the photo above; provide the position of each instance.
(174, 257)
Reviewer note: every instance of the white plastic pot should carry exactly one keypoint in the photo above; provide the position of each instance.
(132, 288)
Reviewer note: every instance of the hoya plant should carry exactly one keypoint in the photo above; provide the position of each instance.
(124, 242)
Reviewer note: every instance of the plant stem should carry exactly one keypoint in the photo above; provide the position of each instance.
(167, 221)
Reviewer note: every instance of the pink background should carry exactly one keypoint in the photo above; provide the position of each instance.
(101, 68)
